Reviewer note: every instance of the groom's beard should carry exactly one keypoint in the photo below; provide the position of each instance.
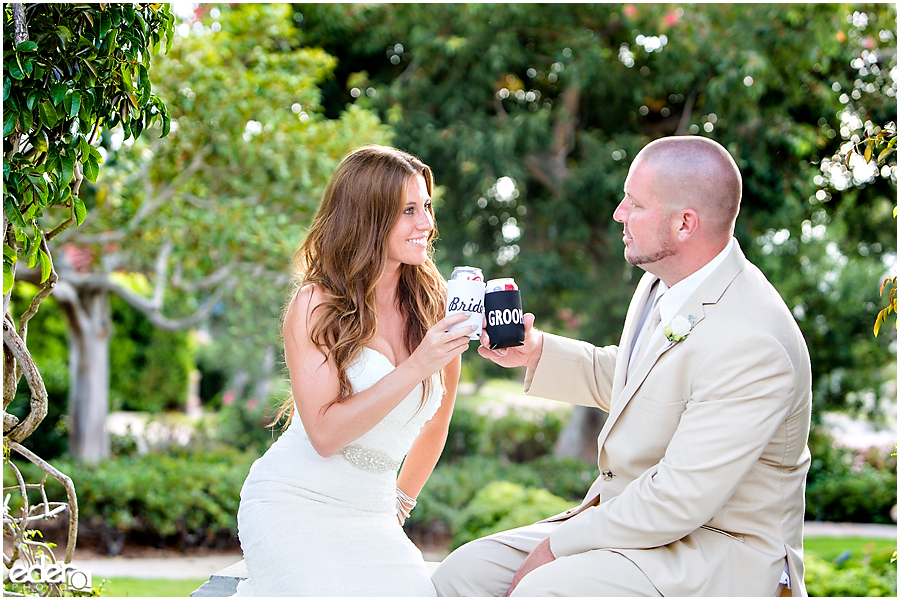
(644, 259)
(665, 251)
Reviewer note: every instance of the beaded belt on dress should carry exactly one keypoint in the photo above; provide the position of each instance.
(369, 460)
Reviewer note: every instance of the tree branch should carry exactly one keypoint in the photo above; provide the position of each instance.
(151, 205)
(549, 167)
(66, 482)
(104, 237)
(498, 108)
(409, 70)
(10, 240)
(686, 112)
(162, 262)
(46, 288)
(16, 346)
(154, 312)
(72, 220)
(20, 35)
(203, 283)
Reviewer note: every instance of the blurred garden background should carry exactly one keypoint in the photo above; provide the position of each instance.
(186, 146)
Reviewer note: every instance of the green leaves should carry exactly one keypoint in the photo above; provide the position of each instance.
(56, 90)
(46, 265)
(12, 212)
(34, 96)
(49, 118)
(80, 210)
(9, 122)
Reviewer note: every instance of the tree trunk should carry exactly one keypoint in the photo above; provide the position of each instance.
(579, 437)
(263, 387)
(87, 310)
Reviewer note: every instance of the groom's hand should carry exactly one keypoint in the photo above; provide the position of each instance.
(540, 556)
(526, 355)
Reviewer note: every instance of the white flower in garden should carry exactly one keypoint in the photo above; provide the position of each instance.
(679, 328)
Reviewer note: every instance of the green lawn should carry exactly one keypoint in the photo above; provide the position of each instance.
(826, 548)
(129, 586)
(829, 548)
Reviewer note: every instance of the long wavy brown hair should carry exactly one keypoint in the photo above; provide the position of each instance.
(345, 253)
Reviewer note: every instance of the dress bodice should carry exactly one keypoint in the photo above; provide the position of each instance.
(383, 447)
(363, 473)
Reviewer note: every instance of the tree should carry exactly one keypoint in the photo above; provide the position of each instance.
(68, 72)
(209, 216)
(72, 76)
(530, 115)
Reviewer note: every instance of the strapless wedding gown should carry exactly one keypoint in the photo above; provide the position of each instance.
(313, 526)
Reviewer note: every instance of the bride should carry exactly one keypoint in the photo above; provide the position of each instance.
(373, 377)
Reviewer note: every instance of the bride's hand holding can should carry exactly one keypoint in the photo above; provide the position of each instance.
(440, 346)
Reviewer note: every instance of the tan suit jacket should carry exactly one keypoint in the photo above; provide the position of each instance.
(704, 456)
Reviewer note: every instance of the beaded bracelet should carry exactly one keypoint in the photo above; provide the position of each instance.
(405, 504)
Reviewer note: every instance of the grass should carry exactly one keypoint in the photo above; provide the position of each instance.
(826, 548)
(133, 587)
(829, 548)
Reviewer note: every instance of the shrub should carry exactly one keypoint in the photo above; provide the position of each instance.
(523, 436)
(852, 578)
(567, 477)
(239, 424)
(504, 505)
(519, 434)
(845, 485)
(466, 434)
(452, 487)
(866, 496)
(178, 499)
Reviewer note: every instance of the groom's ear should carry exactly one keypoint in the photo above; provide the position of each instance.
(686, 224)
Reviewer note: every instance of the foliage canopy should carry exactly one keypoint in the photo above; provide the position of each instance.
(530, 115)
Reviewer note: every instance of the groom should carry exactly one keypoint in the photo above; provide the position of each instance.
(703, 458)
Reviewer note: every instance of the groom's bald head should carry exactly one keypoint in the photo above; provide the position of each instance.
(696, 173)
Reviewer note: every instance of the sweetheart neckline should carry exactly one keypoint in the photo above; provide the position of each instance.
(382, 354)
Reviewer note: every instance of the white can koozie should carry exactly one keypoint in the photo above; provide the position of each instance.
(466, 296)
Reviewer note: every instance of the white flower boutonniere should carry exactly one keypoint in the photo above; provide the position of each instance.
(679, 328)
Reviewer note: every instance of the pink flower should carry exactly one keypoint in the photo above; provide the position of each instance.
(228, 398)
(671, 19)
(252, 403)
(630, 10)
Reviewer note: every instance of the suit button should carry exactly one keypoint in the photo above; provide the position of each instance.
(608, 475)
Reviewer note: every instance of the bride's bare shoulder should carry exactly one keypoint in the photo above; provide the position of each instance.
(304, 301)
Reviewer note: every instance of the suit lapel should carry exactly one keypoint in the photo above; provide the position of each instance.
(630, 329)
(708, 294)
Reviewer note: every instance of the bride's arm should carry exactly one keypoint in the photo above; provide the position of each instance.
(315, 384)
(426, 450)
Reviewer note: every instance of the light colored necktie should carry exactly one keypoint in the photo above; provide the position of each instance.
(652, 324)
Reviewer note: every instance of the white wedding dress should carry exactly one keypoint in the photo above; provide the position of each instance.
(313, 526)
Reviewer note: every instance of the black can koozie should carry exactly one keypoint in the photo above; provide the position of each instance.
(503, 311)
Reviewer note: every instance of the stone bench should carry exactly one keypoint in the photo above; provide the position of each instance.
(225, 582)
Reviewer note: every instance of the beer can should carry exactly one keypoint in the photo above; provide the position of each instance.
(467, 273)
(503, 312)
(465, 293)
(499, 285)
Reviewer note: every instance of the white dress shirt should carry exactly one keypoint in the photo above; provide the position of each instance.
(671, 299)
